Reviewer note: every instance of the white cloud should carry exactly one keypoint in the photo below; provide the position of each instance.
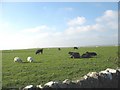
(76, 34)
(101, 32)
(108, 16)
(38, 29)
(78, 29)
(77, 21)
(109, 20)
(5, 26)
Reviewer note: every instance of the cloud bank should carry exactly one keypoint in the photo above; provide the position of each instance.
(78, 33)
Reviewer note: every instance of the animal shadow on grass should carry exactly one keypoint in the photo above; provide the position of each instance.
(33, 62)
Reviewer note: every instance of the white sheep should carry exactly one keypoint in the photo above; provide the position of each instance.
(30, 59)
(17, 59)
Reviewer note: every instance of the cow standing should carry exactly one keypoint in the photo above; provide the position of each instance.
(75, 47)
(70, 53)
(39, 51)
(59, 49)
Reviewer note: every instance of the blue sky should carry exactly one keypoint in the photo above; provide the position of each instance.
(58, 24)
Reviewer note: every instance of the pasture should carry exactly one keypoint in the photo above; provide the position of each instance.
(53, 64)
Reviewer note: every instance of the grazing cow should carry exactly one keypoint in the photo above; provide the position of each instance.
(74, 55)
(39, 51)
(59, 49)
(75, 47)
(70, 53)
(91, 53)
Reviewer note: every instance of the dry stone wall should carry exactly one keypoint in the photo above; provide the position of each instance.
(108, 78)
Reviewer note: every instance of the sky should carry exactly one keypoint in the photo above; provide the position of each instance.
(26, 25)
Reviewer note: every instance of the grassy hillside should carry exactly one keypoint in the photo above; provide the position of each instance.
(53, 65)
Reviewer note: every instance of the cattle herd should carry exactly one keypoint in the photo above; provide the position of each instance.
(72, 55)
(85, 55)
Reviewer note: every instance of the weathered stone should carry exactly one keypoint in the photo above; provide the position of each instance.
(29, 87)
(108, 78)
(67, 81)
(93, 75)
(40, 86)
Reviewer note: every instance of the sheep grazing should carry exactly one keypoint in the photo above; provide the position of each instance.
(17, 59)
(30, 59)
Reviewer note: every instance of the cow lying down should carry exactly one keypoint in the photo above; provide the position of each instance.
(85, 55)
(74, 55)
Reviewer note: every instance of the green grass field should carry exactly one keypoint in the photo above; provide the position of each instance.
(53, 65)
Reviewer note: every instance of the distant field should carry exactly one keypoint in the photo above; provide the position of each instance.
(53, 65)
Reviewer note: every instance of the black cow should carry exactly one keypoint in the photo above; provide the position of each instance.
(59, 49)
(70, 53)
(91, 53)
(86, 55)
(74, 55)
(75, 47)
(39, 51)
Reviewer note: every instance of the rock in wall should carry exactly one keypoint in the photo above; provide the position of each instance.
(108, 78)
